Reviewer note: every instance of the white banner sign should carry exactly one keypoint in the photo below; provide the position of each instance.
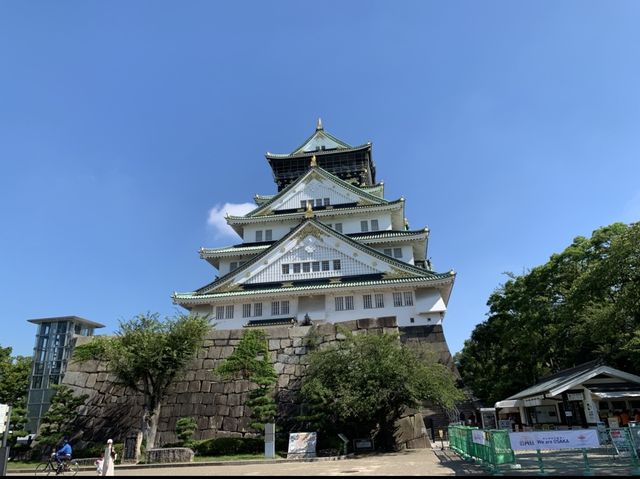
(302, 444)
(477, 436)
(574, 439)
(4, 418)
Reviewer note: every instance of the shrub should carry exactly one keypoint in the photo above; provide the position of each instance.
(227, 446)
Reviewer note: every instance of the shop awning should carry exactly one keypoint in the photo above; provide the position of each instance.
(509, 403)
(617, 394)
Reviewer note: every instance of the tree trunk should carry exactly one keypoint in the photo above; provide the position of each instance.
(150, 419)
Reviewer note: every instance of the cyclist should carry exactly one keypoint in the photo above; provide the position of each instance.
(63, 456)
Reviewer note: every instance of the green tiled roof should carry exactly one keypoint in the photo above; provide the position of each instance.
(256, 323)
(242, 249)
(433, 278)
(277, 156)
(323, 212)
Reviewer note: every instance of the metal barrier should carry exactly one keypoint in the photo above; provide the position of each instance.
(492, 449)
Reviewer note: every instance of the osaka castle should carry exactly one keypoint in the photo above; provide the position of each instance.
(326, 247)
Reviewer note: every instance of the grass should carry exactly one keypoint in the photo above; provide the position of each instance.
(235, 457)
(20, 465)
(31, 465)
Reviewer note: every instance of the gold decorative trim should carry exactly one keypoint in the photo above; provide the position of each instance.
(397, 274)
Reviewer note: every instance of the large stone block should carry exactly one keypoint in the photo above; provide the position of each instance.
(230, 424)
(169, 455)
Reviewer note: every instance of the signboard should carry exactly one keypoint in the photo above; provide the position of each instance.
(488, 417)
(302, 444)
(573, 439)
(4, 417)
(477, 436)
(504, 424)
(363, 444)
(620, 441)
(575, 397)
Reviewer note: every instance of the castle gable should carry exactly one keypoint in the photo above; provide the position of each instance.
(312, 252)
(321, 189)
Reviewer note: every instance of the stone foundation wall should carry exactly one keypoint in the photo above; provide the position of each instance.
(113, 412)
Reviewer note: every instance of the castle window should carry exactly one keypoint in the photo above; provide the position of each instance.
(306, 267)
(268, 234)
(326, 201)
(397, 252)
(325, 266)
(285, 269)
(284, 306)
(348, 302)
(408, 298)
(336, 264)
(219, 312)
(366, 299)
(275, 308)
(258, 236)
(374, 225)
(338, 227)
(228, 313)
(364, 226)
(379, 300)
(388, 251)
(318, 202)
(397, 299)
(296, 267)
(344, 303)
(246, 310)
(315, 266)
(257, 309)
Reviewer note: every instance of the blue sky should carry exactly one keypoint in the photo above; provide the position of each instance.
(509, 127)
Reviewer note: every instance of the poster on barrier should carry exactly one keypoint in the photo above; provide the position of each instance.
(620, 441)
(572, 439)
(477, 436)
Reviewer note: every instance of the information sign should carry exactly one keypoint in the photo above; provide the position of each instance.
(302, 444)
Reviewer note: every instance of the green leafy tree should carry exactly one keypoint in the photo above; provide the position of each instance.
(185, 429)
(362, 386)
(14, 386)
(58, 420)
(582, 304)
(146, 355)
(250, 360)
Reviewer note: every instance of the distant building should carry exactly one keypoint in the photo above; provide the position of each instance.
(52, 350)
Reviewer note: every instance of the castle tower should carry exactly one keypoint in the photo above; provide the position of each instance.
(328, 247)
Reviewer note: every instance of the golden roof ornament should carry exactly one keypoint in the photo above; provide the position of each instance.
(313, 161)
(309, 213)
(319, 124)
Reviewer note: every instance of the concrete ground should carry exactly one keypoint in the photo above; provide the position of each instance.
(438, 461)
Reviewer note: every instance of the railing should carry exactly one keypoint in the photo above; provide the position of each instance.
(615, 450)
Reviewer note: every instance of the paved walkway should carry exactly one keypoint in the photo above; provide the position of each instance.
(414, 462)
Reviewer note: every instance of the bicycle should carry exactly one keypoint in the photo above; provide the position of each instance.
(52, 467)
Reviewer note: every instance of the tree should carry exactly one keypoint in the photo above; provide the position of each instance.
(58, 420)
(250, 361)
(185, 428)
(582, 304)
(145, 355)
(14, 387)
(364, 384)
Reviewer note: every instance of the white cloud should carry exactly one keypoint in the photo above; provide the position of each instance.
(219, 224)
